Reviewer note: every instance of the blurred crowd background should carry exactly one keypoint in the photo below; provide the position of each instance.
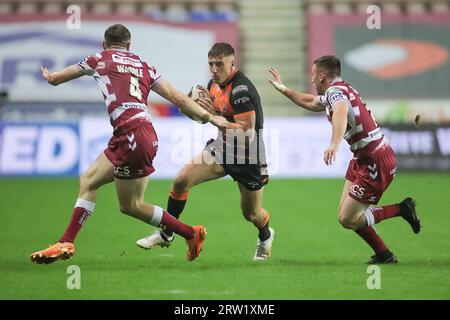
(394, 52)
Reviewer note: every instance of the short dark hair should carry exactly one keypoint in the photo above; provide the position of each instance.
(117, 34)
(221, 49)
(331, 64)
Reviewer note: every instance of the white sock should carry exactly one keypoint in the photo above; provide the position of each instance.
(88, 207)
(370, 219)
(157, 216)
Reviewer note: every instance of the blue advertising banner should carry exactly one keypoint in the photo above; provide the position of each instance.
(28, 149)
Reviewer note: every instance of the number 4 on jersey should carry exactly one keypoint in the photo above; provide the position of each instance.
(135, 91)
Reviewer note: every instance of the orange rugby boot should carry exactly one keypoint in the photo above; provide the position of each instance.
(58, 251)
(195, 244)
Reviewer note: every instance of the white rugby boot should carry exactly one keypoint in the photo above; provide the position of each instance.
(154, 240)
(264, 248)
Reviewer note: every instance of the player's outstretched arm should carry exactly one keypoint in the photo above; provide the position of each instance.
(339, 126)
(187, 105)
(304, 100)
(58, 77)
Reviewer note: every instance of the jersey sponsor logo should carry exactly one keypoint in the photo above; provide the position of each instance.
(375, 134)
(240, 88)
(127, 61)
(357, 191)
(133, 105)
(241, 100)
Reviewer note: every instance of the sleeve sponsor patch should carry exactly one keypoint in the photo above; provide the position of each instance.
(336, 96)
(240, 88)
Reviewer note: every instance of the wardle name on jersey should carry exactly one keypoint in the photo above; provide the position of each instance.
(363, 133)
(138, 72)
(125, 82)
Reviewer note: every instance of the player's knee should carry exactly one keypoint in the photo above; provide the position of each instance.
(250, 216)
(124, 208)
(181, 182)
(346, 222)
(127, 208)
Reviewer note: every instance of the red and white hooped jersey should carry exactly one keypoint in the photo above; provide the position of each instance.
(363, 133)
(125, 82)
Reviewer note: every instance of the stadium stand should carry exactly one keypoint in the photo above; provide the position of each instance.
(116, 6)
(272, 32)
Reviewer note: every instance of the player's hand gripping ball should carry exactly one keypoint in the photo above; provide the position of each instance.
(198, 93)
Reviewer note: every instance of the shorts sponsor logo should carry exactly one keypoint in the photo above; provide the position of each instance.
(122, 171)
(357, 191)
(252, 185)
(239, 89)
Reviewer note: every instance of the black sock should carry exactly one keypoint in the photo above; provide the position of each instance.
(264, 232)
(164, 235)
(175, 208)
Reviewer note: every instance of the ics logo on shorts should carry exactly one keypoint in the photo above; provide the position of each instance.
(122, 171)
(357, 191)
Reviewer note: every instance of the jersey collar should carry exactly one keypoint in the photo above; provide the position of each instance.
(230, 78)
(336, 80)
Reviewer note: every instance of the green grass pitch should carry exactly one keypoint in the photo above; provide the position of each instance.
(313, 256)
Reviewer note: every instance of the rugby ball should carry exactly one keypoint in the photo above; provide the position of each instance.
(197, 92)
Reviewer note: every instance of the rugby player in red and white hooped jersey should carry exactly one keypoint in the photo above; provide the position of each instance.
(373, 166)
(125, 82)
